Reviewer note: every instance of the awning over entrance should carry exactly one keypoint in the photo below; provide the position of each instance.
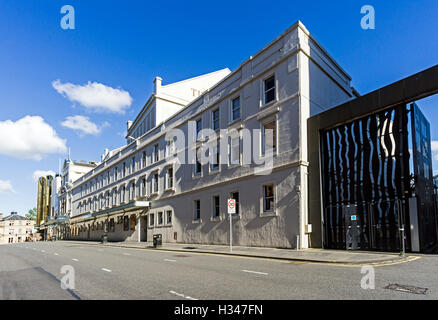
(134, 205)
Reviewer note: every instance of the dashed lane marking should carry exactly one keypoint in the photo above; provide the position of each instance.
(181, 295)
(256, 272)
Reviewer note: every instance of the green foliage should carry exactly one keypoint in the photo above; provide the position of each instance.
(32, 213)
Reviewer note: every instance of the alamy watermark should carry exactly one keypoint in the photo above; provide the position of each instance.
(68, 20)
(68, 280)
(368, 21)
(230, 147)
(368, 281)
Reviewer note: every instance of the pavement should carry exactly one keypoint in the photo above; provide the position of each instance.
(306, 255)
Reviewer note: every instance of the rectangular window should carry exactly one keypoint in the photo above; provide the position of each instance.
(122, 194)
(160, 218)
(133, 165)
(269, 89)
(269, 139)
(169, 216)
(215, 119)
(235, 150)
(124, 170)
(170, 148)
(268, 198)
(198, 128)
(197, 210)
(215, 159)
(155, 183)
(115, 174)
(216, 207)
(156, 153)
(112, 226)
(143, 186)
(235, 196)
(143, 159)
(151, 219)
(235, 109)
(169, 178)
(198, 166)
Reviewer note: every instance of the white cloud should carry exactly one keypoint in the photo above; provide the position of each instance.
(434, 145)
(41, 173)
(83, 124)
(6, 186)
(29, 138)
(95, 96)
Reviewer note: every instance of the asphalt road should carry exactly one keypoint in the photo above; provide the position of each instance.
(33, 271)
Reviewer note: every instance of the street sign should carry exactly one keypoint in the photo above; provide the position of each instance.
(231, 206)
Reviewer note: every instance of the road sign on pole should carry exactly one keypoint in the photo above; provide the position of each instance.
(231, 205)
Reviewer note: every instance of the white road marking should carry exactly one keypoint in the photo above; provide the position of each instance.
(107, 270)
(126, 254)
(181, 295)
(75, 259)
(55, 254)
(43, 250)
(256, 272)
(169, 260)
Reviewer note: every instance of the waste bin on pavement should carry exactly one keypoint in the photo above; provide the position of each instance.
(158, 240)
(104, 238)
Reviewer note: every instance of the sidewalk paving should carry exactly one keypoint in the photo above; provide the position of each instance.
(306, 255)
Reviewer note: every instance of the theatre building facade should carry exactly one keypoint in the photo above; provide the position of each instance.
(257, 115)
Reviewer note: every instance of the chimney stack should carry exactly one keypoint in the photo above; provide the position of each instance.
(157, 84)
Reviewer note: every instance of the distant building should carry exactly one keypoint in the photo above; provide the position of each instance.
(15, 228)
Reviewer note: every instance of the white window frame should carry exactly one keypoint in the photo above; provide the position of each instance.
(218, 120)
(167, 178)
(262, 136)
(263, 212)
(263, 99)
(230, 108)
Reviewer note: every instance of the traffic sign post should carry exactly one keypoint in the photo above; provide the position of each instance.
(231, 205)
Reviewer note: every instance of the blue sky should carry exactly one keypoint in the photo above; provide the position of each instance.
(123, 45)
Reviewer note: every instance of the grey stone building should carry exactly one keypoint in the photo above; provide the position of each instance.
(257, 115)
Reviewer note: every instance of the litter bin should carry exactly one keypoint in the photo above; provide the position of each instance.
(158, 240)
(104, 238)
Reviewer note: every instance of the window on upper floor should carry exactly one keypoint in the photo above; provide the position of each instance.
(198, 128)
(215, 158)
(215, 125)
(198, 166)
(156, 154)
(133, 165)
(269, 137)
(234, 148)
(169, 178)
(269, 89)
(154, 184)
(143, 159)
(235, 109)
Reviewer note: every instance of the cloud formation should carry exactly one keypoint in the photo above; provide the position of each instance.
(83, 125)
(29, 138)
(95, 96)
(6, 186)
(41, 173)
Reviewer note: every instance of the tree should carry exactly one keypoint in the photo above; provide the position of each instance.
(32, 214)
